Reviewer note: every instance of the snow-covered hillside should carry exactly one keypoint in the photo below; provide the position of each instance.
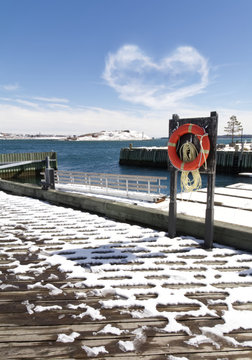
(114, 135)
(100, 135)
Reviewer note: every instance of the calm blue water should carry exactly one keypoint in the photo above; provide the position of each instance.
(101, 156)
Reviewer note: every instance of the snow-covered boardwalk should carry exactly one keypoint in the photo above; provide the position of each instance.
(75, 285)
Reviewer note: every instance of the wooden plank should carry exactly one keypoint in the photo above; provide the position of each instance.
(34, 335)
(241, 186)
(232, 192)
(155, 346)
(224, 201)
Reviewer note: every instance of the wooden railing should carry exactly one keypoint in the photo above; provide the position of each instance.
(107, 182)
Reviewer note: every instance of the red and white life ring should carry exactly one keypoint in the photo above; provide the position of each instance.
(204, 147)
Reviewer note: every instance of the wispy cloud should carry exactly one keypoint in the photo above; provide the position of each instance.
(139, 79)
(10, 87)
(27, 103)
(21, 118)
(51, 99)
(58, 106)
(41, 102)
(5, 99)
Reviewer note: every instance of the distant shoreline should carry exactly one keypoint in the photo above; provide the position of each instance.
(116, 135)
(136, 137)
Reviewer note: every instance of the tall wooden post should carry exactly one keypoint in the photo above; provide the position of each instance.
(173, 187)
(173, 203)
(209, 221)
(210, 126)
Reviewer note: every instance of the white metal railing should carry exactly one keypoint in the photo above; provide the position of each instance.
(151, 185)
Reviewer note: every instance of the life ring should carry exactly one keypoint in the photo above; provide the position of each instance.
(204, 147)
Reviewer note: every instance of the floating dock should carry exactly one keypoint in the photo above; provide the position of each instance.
(232, 162)
(25, 164)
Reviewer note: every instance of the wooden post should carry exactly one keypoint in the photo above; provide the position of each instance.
(210, 126)
(209, 221)
(173, 186)
(173, 203)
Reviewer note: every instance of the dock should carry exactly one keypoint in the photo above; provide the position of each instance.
(21, 165)
(76, 285)
(227, 161)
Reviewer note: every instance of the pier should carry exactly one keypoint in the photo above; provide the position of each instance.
(232, 162)
(15, 165)
(75, 285)
(226, 233)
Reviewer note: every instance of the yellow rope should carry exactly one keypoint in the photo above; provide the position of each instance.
(188, 153)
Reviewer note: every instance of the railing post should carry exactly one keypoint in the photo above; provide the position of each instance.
(49, 181)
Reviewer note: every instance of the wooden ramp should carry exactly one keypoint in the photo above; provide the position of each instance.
(75, 286)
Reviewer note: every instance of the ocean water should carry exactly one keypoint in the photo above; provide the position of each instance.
(102, 157)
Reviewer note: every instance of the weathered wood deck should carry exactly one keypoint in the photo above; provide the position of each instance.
(71, 276)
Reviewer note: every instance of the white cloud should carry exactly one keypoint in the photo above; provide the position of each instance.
(139, 79)
(160, 85)
(10, 87)
(23, 119)
(58, 106)
(5, 99)
(27, 103)
(51, 99)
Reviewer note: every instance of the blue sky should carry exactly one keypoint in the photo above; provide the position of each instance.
(76, 66)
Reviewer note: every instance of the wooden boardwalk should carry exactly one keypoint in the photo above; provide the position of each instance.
(75, 285)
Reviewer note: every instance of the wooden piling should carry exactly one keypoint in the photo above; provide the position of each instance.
(231, 162)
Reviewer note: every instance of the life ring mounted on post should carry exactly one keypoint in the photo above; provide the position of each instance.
(202, 156)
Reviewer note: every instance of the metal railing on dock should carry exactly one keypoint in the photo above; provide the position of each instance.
(149, 185)
(25, 164)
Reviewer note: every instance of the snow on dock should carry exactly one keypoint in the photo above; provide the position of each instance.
(232, 204)
(76, 285)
